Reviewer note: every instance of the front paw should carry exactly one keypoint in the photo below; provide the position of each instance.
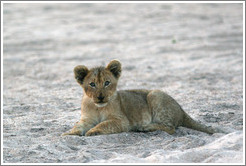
(93, 132)
(76, 130)
(79, 133)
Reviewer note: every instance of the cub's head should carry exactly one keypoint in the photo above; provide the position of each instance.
(99, 83)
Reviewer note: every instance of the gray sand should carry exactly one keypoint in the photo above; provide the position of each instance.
(194, 52)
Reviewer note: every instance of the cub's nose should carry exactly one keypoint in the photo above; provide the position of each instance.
(100, 98)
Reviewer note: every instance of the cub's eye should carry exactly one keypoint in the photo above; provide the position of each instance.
(92, 84)
(106, 83)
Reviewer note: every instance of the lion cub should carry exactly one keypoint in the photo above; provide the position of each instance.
(104, 110)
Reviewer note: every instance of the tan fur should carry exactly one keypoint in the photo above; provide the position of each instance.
(104, 110)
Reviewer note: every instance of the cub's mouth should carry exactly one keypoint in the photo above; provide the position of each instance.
(101, 104)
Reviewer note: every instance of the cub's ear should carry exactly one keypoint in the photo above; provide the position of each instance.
(80, 72)
(114, 67)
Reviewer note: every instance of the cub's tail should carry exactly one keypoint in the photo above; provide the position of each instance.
(191, 123)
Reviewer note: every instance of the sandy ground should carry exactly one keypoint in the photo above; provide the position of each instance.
(194, 52)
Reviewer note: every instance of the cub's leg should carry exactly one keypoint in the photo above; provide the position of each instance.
(166, 112)
(108, 127)
(80, 128)
(156, 126)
